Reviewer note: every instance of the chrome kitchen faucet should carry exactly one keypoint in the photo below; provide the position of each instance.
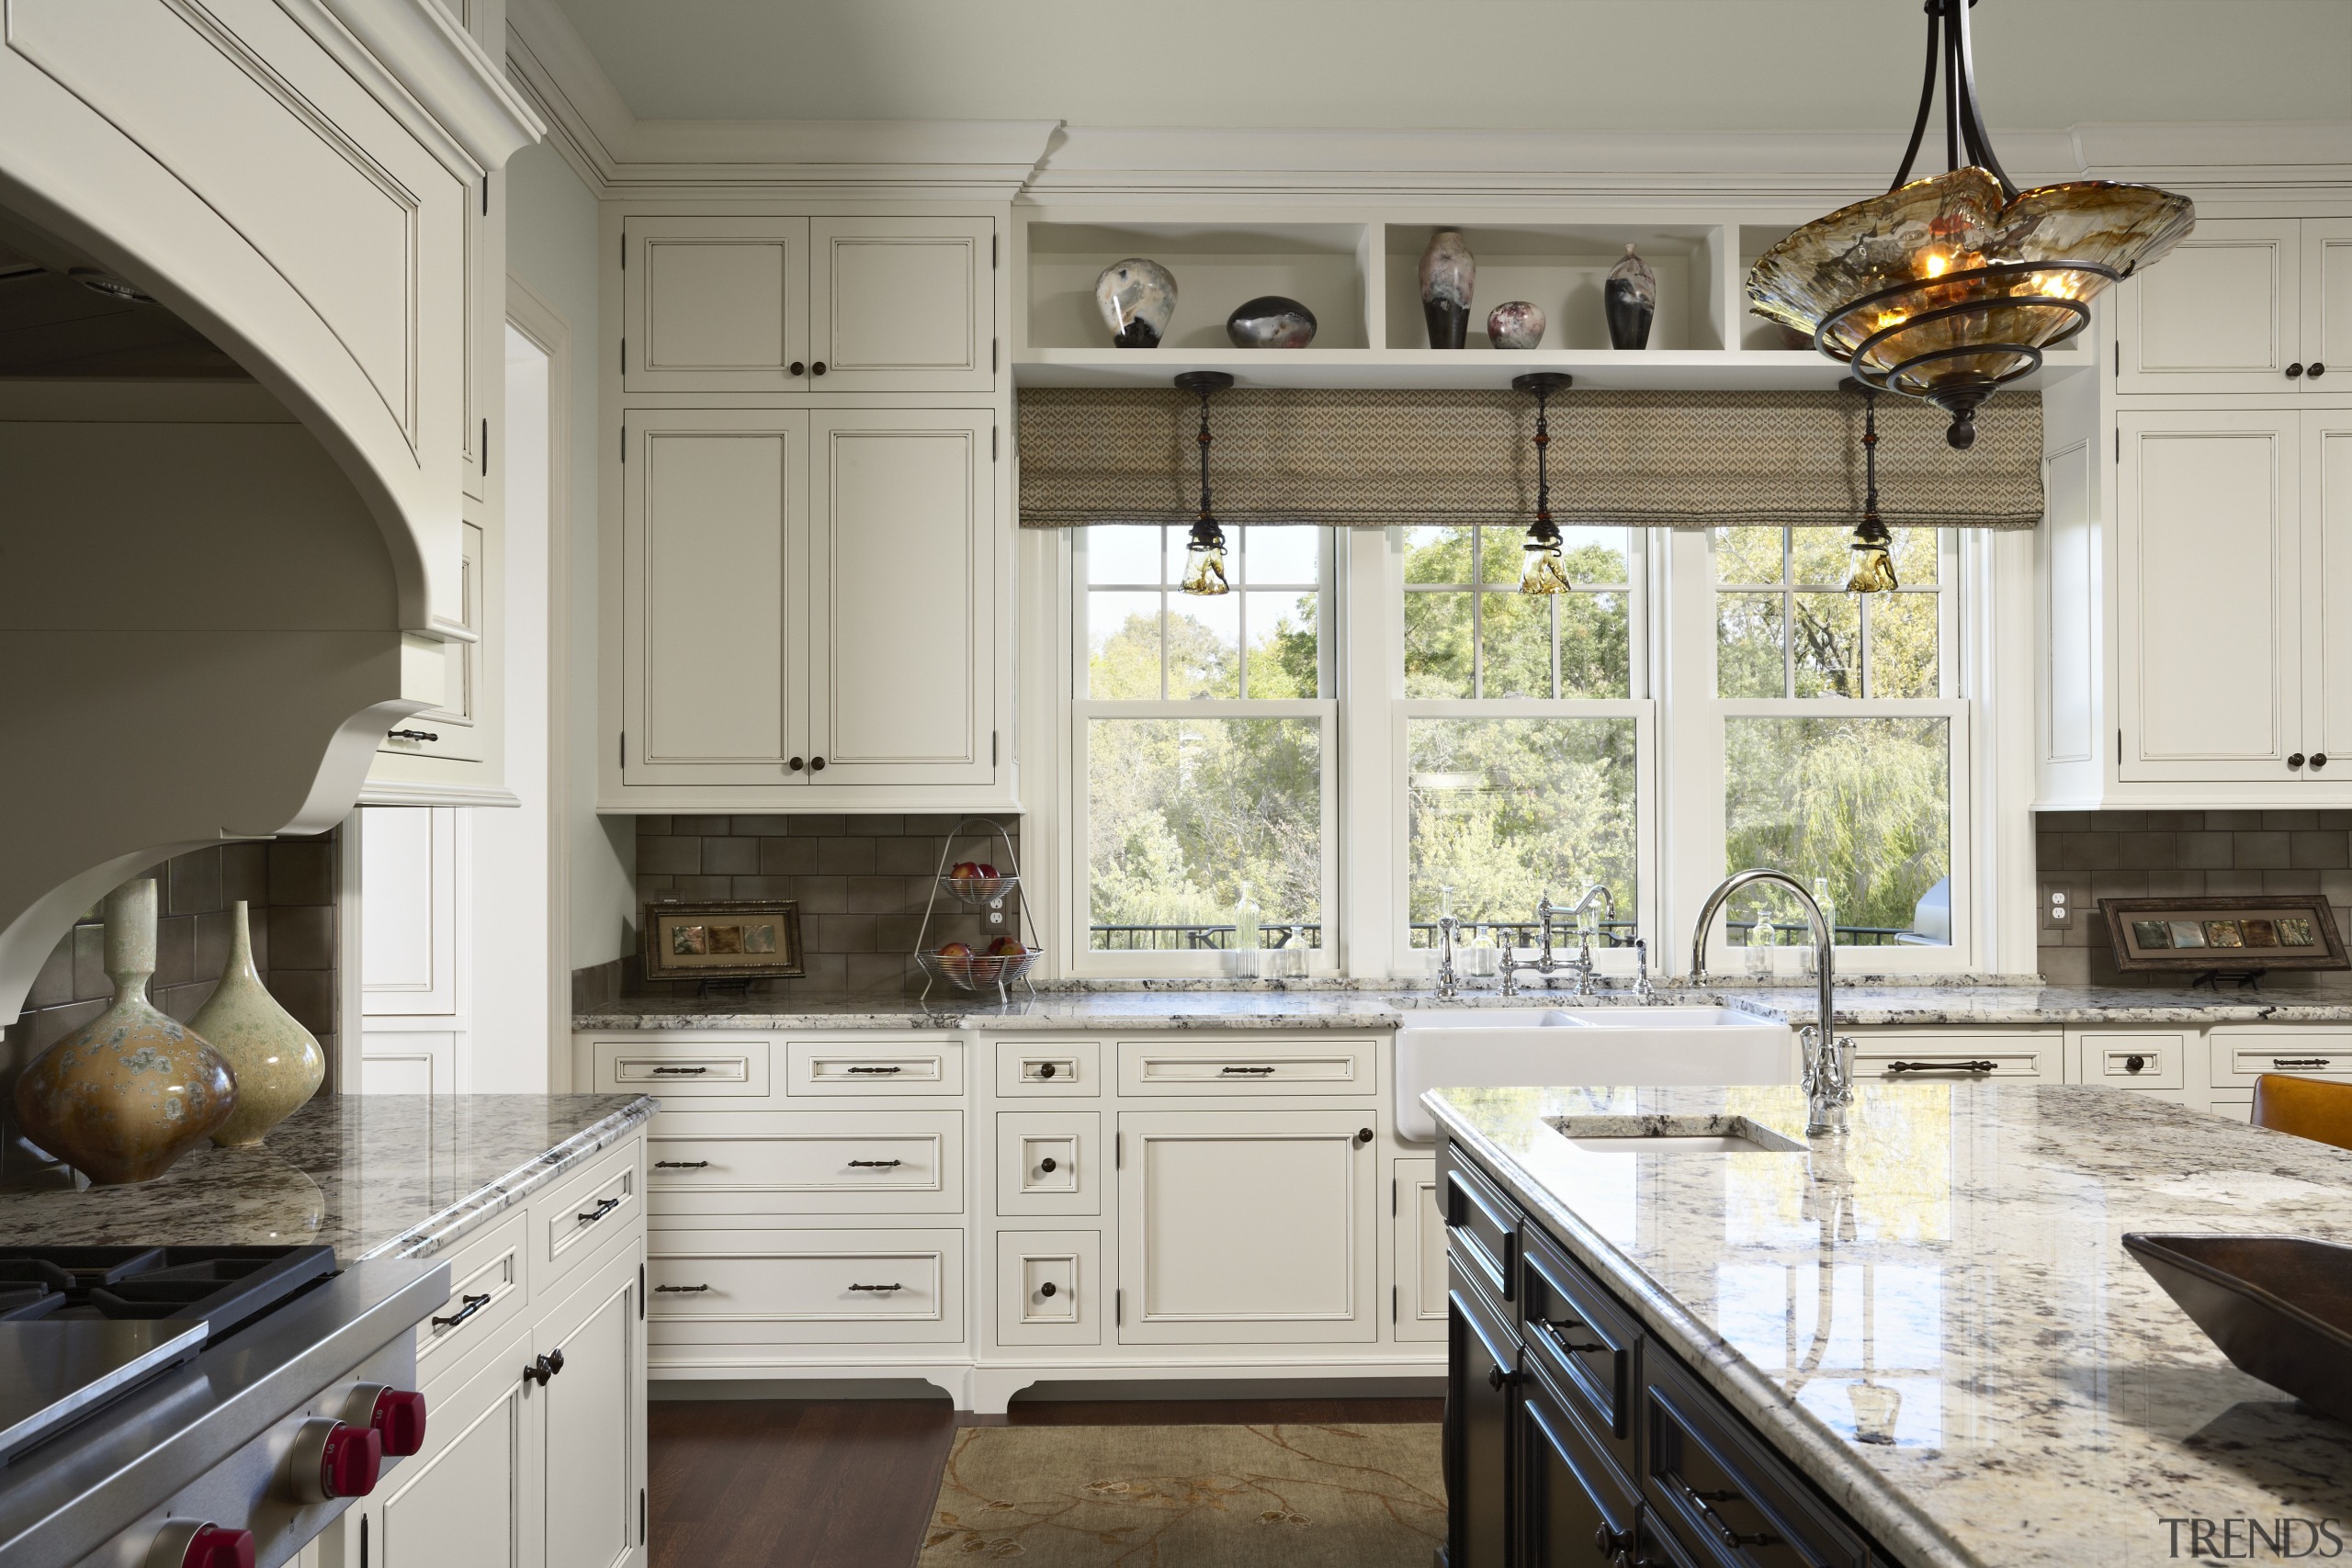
(1829, 1057)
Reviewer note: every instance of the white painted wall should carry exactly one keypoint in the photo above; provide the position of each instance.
(551, 247)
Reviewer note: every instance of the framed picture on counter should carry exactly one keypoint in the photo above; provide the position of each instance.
(2294, 930)
(738, 938)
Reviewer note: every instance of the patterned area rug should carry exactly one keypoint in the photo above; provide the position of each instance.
(1353, 1496)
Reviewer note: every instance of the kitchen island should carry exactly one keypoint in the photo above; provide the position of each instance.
(1921, 1343)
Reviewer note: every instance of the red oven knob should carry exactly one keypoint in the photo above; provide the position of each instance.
(334, 1459)
(396, 1414)
(184, 1543)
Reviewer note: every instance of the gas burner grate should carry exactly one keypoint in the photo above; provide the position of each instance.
(224, 1286)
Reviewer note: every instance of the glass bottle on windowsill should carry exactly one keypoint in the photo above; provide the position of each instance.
(1762, 937)
(1247, 936)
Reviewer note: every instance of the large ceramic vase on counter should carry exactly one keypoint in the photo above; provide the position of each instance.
(124, 1095)
(277, 1062)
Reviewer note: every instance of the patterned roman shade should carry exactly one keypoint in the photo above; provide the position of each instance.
(1370, 459)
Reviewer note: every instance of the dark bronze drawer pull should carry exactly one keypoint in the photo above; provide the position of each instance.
(1976, 1067)
(1559, 1331)
(874, 1164)
(472, 1304)
(1046, 1070)
(410, 735)
(1046, 1165)
(2300, 1061)
(679, 1072)
(680, 1164)
(1247, 1072)
(607, 1207)
(882, 1070)
(1721, 1527)
(884, 1289)
(679, 1290)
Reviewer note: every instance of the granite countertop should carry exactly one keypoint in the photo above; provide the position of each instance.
(1959, 1249)
(1324, 1006)
(373, 1176)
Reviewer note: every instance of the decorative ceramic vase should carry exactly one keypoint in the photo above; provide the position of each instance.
(1515, 324)
(1271, 321)
(277, 1062)
(1630, 299)
(126, 1094)
(1138, 299)
(1448, 273)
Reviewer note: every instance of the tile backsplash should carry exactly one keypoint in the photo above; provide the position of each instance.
(861, 883)
(2136, 854)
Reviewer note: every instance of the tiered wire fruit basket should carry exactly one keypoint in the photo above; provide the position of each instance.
(987, 885)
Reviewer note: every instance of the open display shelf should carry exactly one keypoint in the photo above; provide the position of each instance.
(1361, 278)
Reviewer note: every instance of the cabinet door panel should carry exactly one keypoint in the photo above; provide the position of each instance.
(711, 569)
(715, 304)
(1245, 1225)
(1573, 1498)
(469, 1500)
(902, 604)
(2327, 302)
(1481, 1396)
(595, 1415)
(2326, 577)
(903, 304)
(2218, 314)
(1420, 1226)
(2210, 658)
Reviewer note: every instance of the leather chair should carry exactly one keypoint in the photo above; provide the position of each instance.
(2308, 1107)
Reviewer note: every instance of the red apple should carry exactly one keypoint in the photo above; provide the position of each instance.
(1006, 947)
(964, 871)
(985, 869)
(956, 950)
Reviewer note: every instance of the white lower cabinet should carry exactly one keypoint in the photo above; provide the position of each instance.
(1417, 1300)
(1246, 1226)
(1936, 1056)
(592, 1412)
(712, 1290)
(1049, 1288)
(469, 1499)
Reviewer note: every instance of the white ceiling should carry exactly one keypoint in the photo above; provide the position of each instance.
(1466, 64)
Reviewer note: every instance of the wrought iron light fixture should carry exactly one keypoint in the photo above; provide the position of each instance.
(1948, 288)
(1540, 569)
(1874, 567)
(1205, 550)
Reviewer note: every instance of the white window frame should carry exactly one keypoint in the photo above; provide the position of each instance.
(1086, 962)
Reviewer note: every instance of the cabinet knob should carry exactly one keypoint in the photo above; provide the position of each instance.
(2135, 1064)
(1611, 1543)
(1046, 1165)
(2295, 758)
(797, 367)
(796, 764)
(1046, 1288)
(816, 764)
(1497, 1378)
(2295, 371)
(2319, 759)
(2316, 371)
(1045, 1071)
(1364, 1135)
(818, 368)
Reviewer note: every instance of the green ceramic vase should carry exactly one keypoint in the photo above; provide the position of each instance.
(277, 1062)
(126, 1094)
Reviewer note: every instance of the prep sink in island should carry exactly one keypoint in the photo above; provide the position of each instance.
(1922, 1343)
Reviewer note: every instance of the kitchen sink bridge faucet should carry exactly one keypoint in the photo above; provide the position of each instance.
(1546, 912)
(1829, 1057)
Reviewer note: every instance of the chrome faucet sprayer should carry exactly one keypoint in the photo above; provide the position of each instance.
(1828, 1061)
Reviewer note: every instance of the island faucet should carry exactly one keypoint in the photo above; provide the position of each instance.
(1828, 1059)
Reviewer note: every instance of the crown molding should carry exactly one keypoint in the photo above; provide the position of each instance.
(436, 64)
(613, 152)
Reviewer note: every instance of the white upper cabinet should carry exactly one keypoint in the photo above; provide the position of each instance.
(2234, 586)
(902, 304)
(2244, 305)
(766, 304)
(808, 604)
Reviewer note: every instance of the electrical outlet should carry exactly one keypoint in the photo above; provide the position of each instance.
(2057, 907)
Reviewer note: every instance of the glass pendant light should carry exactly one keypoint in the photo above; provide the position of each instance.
(1540, 569)
(1946, 288)
(1204, 549)
(1874, 567)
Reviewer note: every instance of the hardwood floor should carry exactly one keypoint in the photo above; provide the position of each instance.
(848, 1483)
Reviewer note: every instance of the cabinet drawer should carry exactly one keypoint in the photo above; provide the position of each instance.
(2135, 1059)
(1585, 1340)
(679, 1069)
(1962, 1058)
(1048, 1288)
(721, 1287)
(2242, 1055)
(808, 1162)
(1706, 1480)
(1071, 1069)
(488, 1288)
(569, 1222)
(1213, 1067)
(1573, 1491)
(1482, 1229)
(1049, 1162)
(873, 1067)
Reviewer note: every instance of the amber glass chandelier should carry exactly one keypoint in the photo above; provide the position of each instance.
(1946, 288)
(1205, 547)
(1541, 570)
